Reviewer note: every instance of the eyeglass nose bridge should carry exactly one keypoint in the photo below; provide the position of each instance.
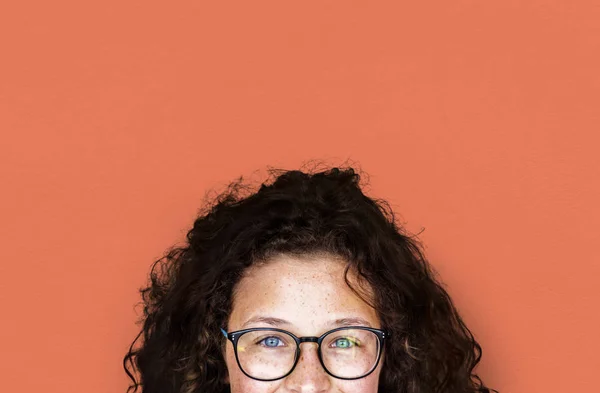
(311, 339)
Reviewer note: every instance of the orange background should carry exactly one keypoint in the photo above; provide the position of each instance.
(477, 120)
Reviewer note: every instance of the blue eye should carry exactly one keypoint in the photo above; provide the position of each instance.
(270, 342)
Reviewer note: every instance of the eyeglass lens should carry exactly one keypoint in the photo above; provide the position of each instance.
(347, 353)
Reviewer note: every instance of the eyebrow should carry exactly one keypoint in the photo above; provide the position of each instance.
(350, 321)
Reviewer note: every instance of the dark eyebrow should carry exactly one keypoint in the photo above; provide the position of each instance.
(351, 321)
(268, 320)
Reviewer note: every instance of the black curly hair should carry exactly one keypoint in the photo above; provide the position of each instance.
(188, 297)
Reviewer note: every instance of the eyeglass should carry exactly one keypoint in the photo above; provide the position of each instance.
(268, 354)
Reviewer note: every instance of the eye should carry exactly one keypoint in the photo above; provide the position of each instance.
(345, 342)
(271, 342)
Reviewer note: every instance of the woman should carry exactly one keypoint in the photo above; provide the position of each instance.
(306, 285)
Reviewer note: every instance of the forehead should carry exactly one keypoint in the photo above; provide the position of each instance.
(307, 292)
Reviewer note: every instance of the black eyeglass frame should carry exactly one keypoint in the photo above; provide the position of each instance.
(235, 336)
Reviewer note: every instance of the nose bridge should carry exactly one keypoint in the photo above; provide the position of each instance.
(309, 340)
(308, 376)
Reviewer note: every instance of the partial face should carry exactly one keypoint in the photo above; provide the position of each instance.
(311, 295)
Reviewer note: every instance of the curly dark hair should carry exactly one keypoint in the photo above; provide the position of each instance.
(188, 297)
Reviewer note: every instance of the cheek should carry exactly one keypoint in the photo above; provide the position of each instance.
(369, 384)
(240, 383)
(244, 384)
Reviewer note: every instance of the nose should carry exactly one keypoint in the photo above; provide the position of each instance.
(308, 376)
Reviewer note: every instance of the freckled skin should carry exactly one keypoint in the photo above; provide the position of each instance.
(308, 293)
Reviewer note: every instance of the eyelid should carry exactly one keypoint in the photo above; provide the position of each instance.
(353, 343)
(278, 335)
(270, 337)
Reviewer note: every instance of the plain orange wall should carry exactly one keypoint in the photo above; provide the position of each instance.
(477, 120)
